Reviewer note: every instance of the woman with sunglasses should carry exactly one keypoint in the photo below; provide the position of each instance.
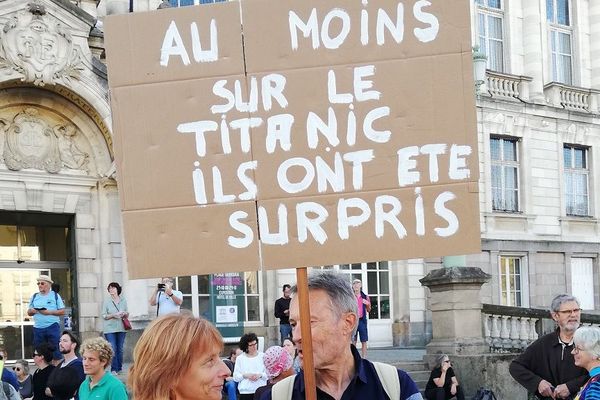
(586, 352)
(42, 357)
(21, 369)
(442, 384)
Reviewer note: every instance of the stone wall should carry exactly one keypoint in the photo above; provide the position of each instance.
(489, 371)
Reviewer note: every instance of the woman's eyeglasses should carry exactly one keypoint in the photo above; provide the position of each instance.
(576, 350)
(17, 369)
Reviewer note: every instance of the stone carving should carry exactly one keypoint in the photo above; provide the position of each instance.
(38, 49)
(30, 142)
(70, 154)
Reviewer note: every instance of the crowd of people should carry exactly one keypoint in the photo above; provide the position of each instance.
(178, 356)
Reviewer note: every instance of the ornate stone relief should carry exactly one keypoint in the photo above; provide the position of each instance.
(37, 48)
(31, 142)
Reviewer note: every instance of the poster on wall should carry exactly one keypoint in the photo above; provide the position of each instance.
(227, 303)
(350, 137)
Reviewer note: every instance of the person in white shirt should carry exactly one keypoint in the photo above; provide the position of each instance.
(249, 371)
(166, 298)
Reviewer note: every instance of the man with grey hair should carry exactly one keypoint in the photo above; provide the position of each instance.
(547, 367)
(340, 372)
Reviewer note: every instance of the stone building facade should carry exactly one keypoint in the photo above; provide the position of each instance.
(539, 137)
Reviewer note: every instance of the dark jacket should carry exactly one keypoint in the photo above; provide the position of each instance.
(548, 359)
(64, 381)
(282, 304)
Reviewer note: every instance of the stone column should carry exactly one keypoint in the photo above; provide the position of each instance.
(456, 310)
(532, 48)
(594, 15)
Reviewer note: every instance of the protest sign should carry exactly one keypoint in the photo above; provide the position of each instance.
(281, 134)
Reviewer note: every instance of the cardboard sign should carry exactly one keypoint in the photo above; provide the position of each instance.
(281, 134)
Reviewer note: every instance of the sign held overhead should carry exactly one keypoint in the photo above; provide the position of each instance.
(312, 133)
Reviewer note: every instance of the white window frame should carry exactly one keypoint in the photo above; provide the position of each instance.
(487, 11)
(585, 171)
(523, 279)
(586, 303)
(555, 29)
(502, 163)
(361, 271)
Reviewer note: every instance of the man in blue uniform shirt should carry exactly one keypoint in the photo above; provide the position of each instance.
(340, 372)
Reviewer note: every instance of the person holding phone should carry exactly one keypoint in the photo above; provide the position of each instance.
(442, 384)
(165, 298)
(46, 307)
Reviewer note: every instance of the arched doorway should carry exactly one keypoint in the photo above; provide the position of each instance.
(57, 201)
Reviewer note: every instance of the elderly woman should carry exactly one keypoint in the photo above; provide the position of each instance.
(279, 365)
(178, 358)
(97, 354)
(249, 372)
(21, 369)
(114, 309)
(587, 355)
(442, 384)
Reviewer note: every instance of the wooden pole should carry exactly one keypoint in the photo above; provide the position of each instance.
(310, 386)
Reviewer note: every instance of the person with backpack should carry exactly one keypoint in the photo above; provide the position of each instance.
(587, 355)
(46, 307)
(340, 372)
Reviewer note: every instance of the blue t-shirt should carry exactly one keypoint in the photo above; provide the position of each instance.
(10, 377)
(49, 301)
(364, 385)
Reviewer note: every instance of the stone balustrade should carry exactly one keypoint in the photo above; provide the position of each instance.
(571, 97)
(512, 329)
(508, 86)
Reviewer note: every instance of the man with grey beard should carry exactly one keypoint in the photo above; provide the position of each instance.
(547, 367)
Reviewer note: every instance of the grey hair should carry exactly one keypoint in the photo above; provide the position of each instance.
(25, 365)
(588, 337)
(337, 287)
(439, 359)
(560, 300)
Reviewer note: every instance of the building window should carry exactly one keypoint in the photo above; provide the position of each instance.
(183, 3)
(513, 280)
(560, 33)
(582, 281)
(375, 277)
(505, 174)
(576, 180)
(196, 291)
(490, 17)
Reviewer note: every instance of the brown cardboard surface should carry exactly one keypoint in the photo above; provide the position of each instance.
(186, 241)
(422, 111)
(133, 43)
(362, 244)
(158, 161)
(427, 85)
(452, 37)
